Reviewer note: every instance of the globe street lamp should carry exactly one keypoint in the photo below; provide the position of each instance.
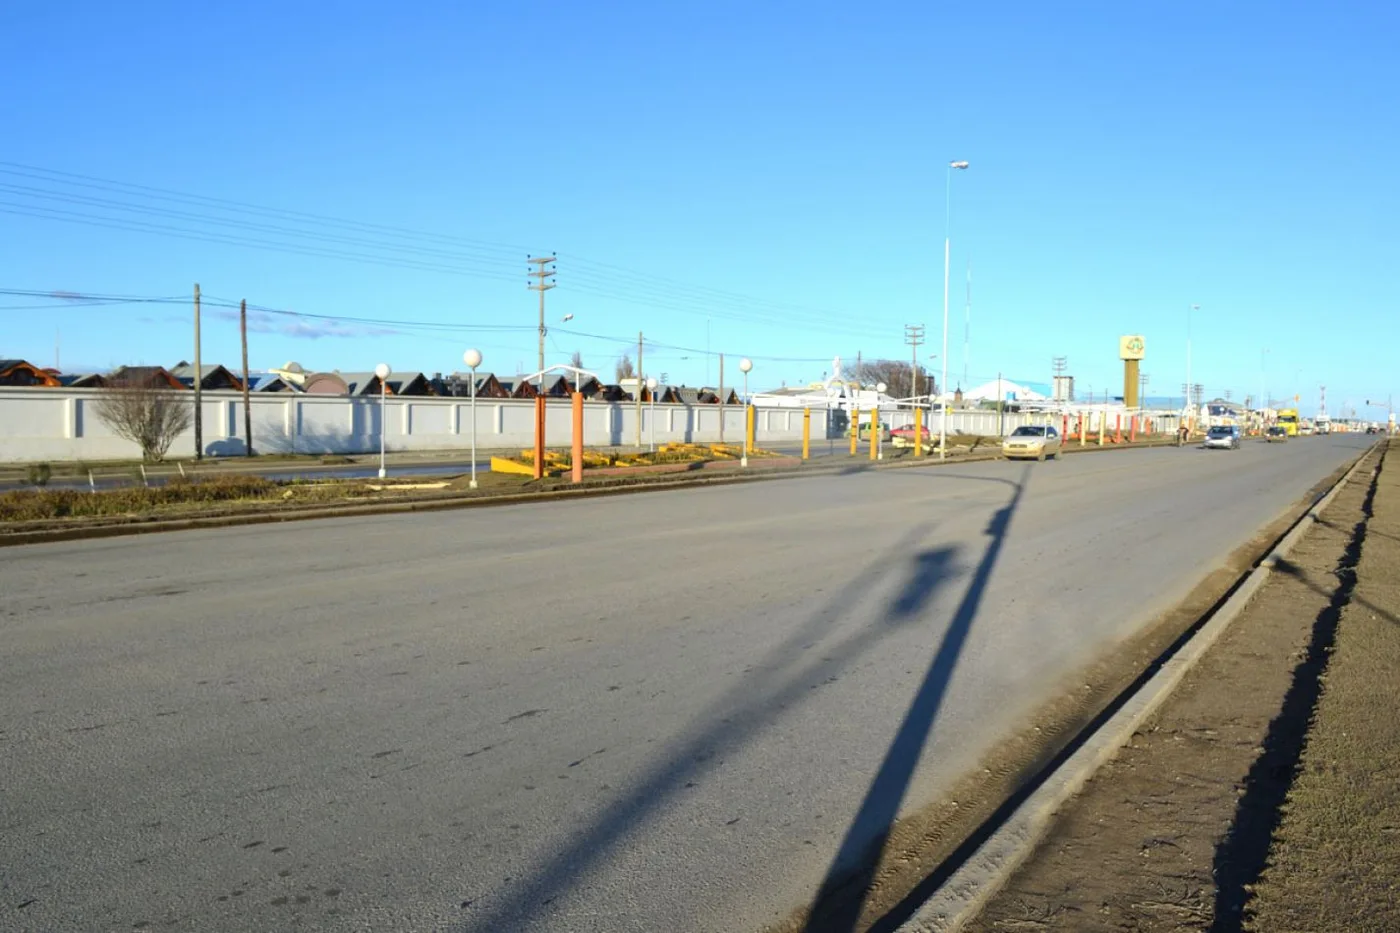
(382, 372)
(473, 359)
(745, 367)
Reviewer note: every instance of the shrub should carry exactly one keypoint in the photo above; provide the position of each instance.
(38, 474)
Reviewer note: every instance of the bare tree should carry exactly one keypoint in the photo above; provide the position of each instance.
(576, 361)
(145, 413)
(624, 369)
(896, 375)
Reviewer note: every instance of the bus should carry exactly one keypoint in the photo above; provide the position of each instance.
(1288, 420)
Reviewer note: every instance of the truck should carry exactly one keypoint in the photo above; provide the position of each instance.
(1288, 420)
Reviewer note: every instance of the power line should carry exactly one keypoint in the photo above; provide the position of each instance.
(600, 279)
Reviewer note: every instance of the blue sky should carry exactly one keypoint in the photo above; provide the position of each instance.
(765, 179)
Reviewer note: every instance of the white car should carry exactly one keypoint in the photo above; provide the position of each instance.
(1222, 437)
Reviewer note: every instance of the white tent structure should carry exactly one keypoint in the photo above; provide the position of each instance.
(1005, 390)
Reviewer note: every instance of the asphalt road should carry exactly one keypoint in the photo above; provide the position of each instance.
(650, 712)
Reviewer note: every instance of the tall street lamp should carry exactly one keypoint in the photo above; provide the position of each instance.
(382, 371)
(473, 359)
(1189, 404)
(745, 367)
(947, 254)
(651, 413)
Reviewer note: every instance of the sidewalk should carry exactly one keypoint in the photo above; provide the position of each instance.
(1263, 795)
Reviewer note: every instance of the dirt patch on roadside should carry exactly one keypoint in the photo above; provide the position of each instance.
(1171, 834)
(1334, 854)
(909, 863)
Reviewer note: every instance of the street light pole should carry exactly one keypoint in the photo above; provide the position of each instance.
(947, 256)
(473, 359)
(1189, 309)
(382, 371)
(651, 413)
(745, 366)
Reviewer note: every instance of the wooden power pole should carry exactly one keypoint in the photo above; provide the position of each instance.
(640, 382)
(247, 396)
(198, 388)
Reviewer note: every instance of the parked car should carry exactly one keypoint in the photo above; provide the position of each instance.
(864, 431)
(904, 437)
(1222, 437)
(1276, 432)
(1037, 441)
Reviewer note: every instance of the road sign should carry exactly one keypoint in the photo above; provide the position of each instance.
(1132, 347)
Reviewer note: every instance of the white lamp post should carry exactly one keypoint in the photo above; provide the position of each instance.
(947, 253)
(473, 359)
(651, 414)
(880, 389)
(382, 371)
(745, 367)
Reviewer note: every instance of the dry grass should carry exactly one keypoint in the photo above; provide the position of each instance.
(1334, 864)
(31, 505)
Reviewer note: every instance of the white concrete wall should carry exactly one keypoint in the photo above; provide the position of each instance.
(62, 424)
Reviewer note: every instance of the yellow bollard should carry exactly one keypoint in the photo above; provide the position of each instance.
(874, 433)
(855, 430)
(748, 428)
(806, 433)
(1103, 423)
(918, 432)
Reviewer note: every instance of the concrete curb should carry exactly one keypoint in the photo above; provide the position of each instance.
(758, 473)
(974, 883)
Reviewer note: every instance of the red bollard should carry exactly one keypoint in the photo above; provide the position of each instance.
(1132, 433)
(1118, 428)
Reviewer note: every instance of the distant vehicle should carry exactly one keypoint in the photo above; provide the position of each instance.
(864, 431)
(1372, 429)
(1037, 441)
(904, 437)
(1276, 432)
(1324, 424)
(1222, 437)
(1288, 420)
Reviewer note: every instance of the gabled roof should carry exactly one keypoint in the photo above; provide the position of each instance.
(24, 373)
(399, 383)
(212, 376)
(147, 376)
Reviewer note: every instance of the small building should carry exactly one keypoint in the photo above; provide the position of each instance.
(556, 385)
(459, 385)
(213, 377)
(398, 383)
(145, 377)
(24, 373)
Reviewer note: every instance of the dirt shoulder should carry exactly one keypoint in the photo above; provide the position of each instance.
(1175, 832)
(1334, 859)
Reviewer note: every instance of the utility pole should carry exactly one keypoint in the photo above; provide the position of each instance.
(542, 284)
(721, 398)
(198, 389)
(247, 405)
(641, 380)
(1059, 364)
(913, 336)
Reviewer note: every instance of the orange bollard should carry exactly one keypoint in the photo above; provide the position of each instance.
(578, 437)
(1118, 429)
(539, 436)
(1064, 427)
(1132, 432)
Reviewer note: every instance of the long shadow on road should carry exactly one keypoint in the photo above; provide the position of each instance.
(841, 898)
(728, 723)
